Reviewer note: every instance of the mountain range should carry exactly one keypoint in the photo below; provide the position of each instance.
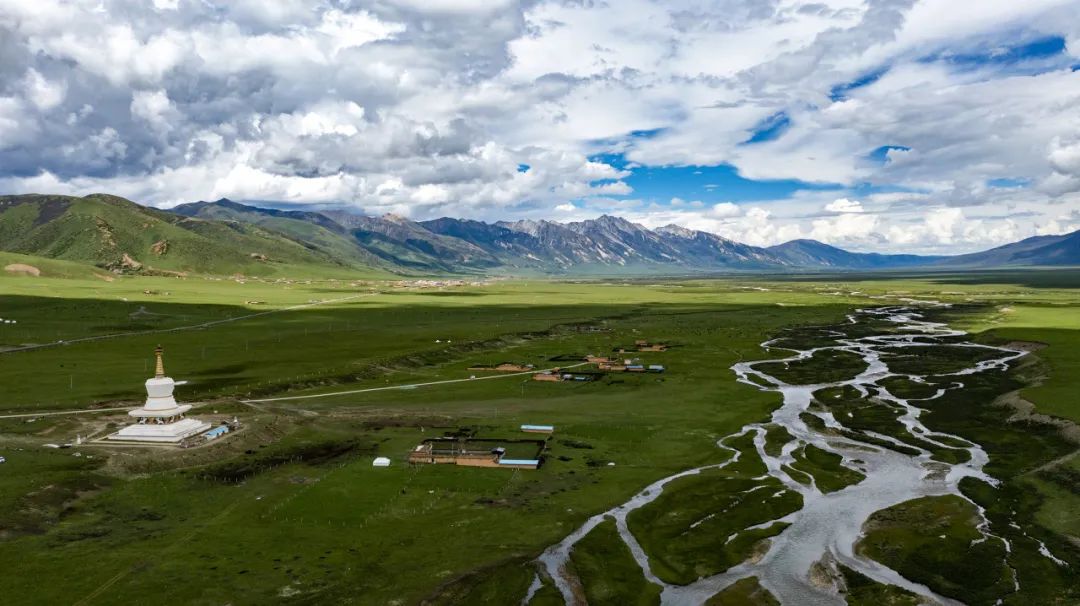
(225, 237)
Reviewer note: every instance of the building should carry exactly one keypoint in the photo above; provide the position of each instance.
(553, 377)
(161, 420)
(538, 428)
(505, 367)
(520, 463)
(216, 432)
(643, 345)
(612, 367)
(381, 462)
(475, 452)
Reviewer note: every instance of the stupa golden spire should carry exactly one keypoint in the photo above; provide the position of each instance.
(159, 370)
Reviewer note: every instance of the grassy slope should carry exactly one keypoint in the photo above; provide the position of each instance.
(337, 244)
(49, 268)
(100, 230)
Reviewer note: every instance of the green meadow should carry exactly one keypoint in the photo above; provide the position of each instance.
(290, 510)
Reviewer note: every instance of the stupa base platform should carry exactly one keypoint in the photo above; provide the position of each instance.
(152, 433)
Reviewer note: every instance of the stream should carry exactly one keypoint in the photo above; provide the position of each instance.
(828, 525)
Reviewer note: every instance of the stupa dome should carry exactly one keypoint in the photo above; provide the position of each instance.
(159, 394)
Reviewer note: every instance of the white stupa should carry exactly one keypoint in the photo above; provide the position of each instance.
(161, 419)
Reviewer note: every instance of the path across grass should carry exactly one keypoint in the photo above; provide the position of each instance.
(178, 328)
(306, 397)
(410, 385)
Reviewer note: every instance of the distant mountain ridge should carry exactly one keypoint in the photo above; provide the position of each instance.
(1061, 250)
(802, 253)
(225, 237)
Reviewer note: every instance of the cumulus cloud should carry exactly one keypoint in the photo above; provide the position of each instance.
(843, 205)
(44, 94)
(431, 107)
(1064, 157)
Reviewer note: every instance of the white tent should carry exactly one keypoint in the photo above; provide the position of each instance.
(381, 462)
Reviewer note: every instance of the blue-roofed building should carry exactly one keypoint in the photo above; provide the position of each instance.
(216, 432)
(538, 428)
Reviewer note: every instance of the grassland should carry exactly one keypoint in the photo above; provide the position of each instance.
(863, 591)
(608, 572)
(696, 527)
(826, 468)
(936, 541)
(290, 510)
(744, 592)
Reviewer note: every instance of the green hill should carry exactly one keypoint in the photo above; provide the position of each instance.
(316, 231)
(117, 234)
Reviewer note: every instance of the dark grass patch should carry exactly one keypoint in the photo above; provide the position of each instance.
(934, 541)
(505, 582)
(826, 468)
(254, 463)
(685, 530)
(607, 569)
(827, 366)
(776, 436)
(906, 389)
(935, 359)
(744, 592)
(861, 590)
(862, 415)
(38, 510)
(1019, 502)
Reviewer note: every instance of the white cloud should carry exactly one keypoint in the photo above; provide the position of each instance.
(725, 210)
(843, 205)
(428, 107)
(1064, 160)
(41, 92)
(152, 106)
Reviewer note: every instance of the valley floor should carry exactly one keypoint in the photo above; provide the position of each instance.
(291, 510)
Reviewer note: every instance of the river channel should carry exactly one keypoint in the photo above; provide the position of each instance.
(828, 525)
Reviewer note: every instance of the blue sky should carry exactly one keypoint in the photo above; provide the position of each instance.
(916, 125)
(711, 184)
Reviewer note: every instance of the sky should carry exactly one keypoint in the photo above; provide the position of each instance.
(924, 126)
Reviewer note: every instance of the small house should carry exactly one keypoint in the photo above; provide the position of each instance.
(509, 367)
(216, 432)
(538, 428)
(520, 463)
(381, 462)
